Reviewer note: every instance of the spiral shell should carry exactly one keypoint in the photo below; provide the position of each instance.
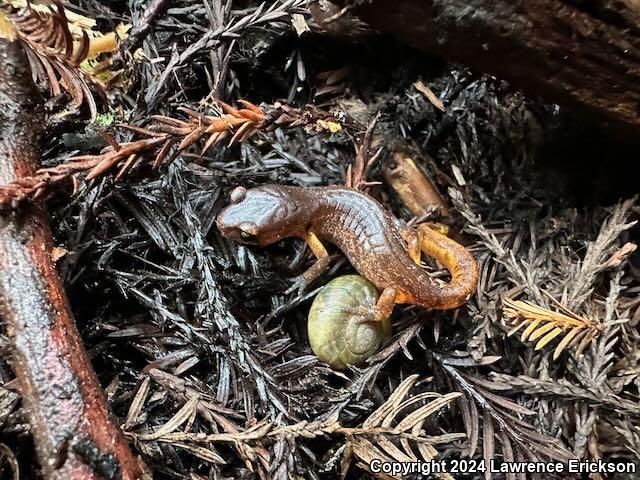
(337, 335)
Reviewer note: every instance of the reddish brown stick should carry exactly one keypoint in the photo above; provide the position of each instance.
(74, 433)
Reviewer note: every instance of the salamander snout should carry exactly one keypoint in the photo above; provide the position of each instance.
(261, 215)
(250, 216)
(233, 223)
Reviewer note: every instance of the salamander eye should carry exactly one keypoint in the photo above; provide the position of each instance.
(238, 194)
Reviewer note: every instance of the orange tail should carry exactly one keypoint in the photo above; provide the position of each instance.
(455, 258)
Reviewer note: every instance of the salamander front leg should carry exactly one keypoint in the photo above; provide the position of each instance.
(301, 282)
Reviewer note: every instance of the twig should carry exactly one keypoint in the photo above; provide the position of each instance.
(401, 418)
(162, 142)
(415, 189)
(74, 434)
(52, 52)
(594, 262)
(565, 390)
(165, 138)
(356, 175)
(218, 15)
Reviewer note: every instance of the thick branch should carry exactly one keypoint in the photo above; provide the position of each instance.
(74, 434)
(566, 50)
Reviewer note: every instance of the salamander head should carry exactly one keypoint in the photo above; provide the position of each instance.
(261, 215)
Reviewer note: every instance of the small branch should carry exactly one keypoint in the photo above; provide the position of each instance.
(161, 143)
(356, 176)
(165, 139)
(74, 434)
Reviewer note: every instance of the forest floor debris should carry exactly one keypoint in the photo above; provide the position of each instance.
(201, 354)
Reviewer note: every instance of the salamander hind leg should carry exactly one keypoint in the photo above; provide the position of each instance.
(386, 302)
(412, 240)
(456, 259)
(378, 312)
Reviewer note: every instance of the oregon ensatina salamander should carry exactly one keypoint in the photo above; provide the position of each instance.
(364, 231)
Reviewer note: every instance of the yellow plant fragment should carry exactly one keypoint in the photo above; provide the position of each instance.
(566, 341)
(6, 29)
(332, 127)
(108, 42)
(78, 25)
(529, 330)
(541, 331)
(545, 325)
(548, 337)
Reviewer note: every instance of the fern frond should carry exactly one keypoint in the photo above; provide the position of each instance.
(545, 325)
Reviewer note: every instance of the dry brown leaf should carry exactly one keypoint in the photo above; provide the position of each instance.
(426, 410)
(174, 422)
(488, 442)
(137, 403)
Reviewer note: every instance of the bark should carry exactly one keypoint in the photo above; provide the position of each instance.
(74, 433)
(581, 51)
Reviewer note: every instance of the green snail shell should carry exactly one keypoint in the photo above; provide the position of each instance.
(339, 337)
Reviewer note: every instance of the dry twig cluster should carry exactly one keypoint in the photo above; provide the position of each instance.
(544, 325)
(54, 56)
(197, 330)
(157, 148)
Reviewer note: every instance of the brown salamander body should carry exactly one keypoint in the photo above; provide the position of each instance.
(363, 230)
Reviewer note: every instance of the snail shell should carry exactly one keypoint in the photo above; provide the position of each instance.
(336, 334)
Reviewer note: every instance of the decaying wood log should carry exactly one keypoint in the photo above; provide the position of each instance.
(74, 434)
(587, 52)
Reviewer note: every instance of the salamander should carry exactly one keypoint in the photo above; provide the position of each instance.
(364, 231)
